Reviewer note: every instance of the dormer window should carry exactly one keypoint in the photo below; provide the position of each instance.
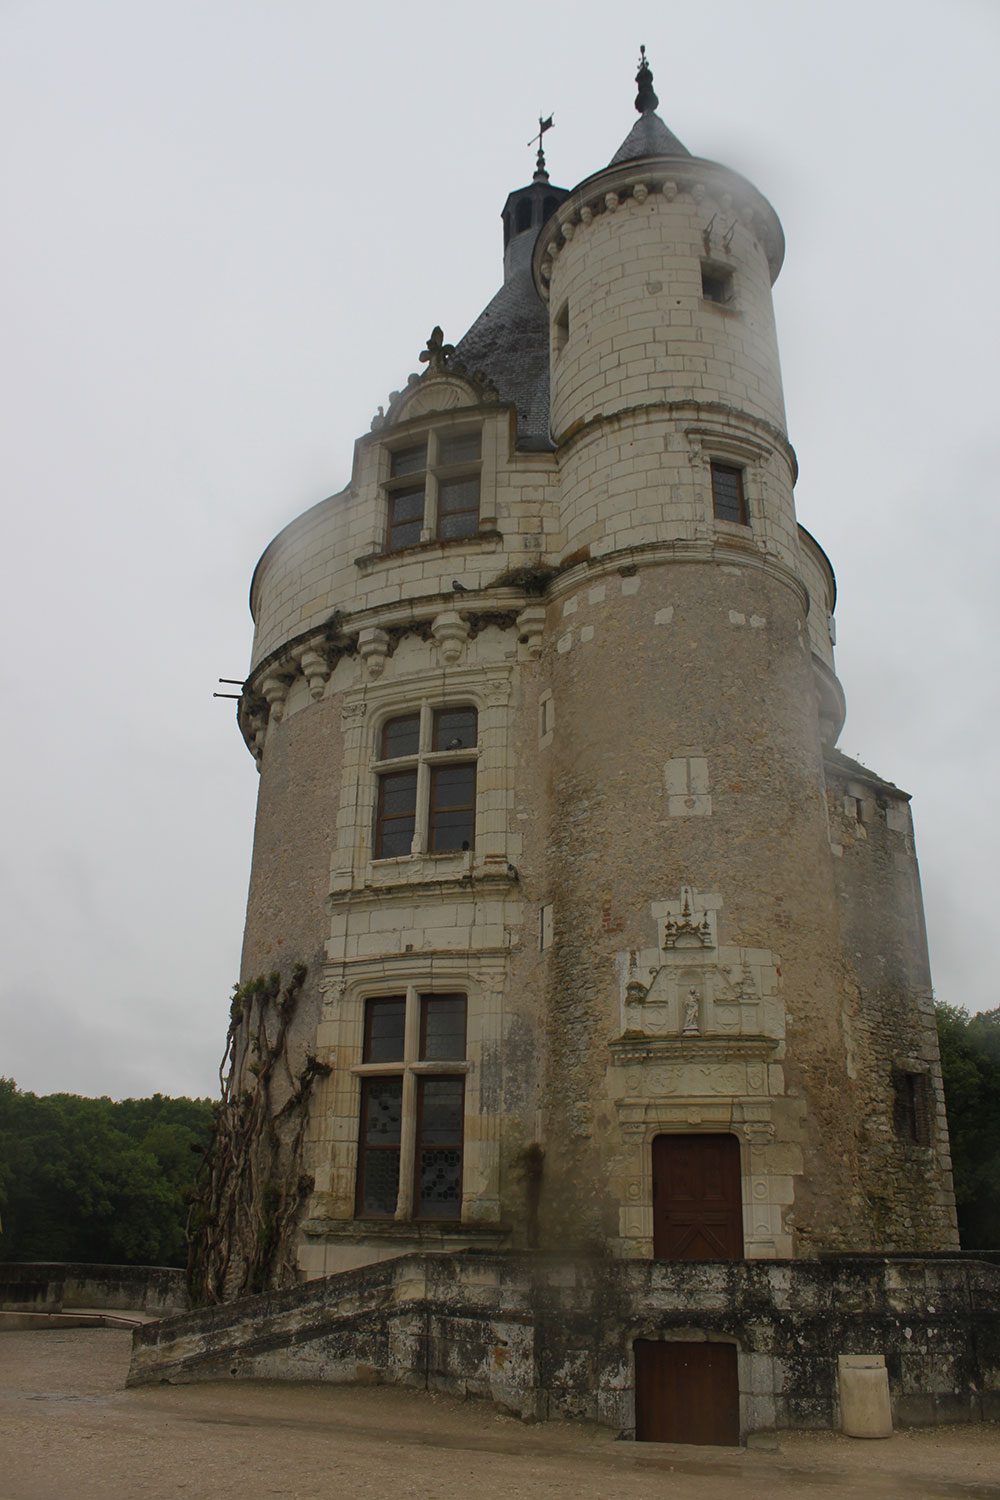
(433, 489)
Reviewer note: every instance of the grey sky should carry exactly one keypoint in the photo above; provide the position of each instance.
(230, 228)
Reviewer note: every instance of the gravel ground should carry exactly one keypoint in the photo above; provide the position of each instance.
(70, 1431)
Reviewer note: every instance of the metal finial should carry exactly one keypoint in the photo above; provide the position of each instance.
(543, 125)
(645, 100)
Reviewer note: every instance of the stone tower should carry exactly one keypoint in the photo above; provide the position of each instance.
(607, 947)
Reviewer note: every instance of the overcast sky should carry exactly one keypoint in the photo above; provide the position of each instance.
(231, 225)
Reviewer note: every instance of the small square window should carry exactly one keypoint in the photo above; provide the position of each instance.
(454, 728)
(442, 1028)
(463, 448)
(384, 1025)
(408, 461)
(401, 737)
(728, 497)
(716, 283)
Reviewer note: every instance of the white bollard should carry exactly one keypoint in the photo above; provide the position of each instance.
(865, 1411)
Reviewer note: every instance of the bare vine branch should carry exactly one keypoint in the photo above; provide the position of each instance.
(251, 1188)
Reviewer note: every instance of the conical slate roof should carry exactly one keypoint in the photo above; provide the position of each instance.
(648, 137)
(509, 342)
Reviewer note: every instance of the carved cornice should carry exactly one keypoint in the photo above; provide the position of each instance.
(644, 180)
(374, 635)
(629, 1050)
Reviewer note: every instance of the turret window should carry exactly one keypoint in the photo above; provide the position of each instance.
(426, 772)
(728, 496)
(433, 489)
(716, 283)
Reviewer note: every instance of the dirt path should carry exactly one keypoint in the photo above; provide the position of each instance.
(70, 1431)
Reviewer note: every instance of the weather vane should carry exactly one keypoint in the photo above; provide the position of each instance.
(543, 125)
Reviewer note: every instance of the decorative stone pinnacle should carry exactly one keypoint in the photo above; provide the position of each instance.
(438, 353)
(645, 100)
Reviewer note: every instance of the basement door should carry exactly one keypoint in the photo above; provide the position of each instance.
(686, 1393)
(697, 1198)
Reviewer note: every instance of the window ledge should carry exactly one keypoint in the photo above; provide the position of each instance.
(488, 540)
(721, 307)
(425, 1232)
(431, 1068)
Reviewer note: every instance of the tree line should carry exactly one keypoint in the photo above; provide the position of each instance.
(99, 1180)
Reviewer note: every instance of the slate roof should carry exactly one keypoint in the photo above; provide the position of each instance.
(847, 766)
(648, 137)
(509, 342)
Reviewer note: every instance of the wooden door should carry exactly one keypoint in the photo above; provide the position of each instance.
(697, 1198)
(686, 1393)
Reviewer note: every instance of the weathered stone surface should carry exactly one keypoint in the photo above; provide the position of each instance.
(542, 1336)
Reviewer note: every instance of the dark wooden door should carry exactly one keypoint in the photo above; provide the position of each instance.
(697, 1198)
(686, 1393)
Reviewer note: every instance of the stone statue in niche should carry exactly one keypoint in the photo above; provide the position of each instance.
(691, 1009)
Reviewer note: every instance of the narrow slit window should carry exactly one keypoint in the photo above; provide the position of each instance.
(911, 1107)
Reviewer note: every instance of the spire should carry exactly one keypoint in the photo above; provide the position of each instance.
(648, 136)
(645, 100)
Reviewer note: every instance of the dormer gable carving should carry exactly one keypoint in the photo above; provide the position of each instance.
(446, 385)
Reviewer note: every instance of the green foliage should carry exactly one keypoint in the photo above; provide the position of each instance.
(97, 1180)
(970, 1063)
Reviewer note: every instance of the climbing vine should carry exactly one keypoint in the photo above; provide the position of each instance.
(252, 1187)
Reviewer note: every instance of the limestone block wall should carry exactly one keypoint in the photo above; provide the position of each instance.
(333, 558)
(891, 1031)
(687, 754)
(630, 319)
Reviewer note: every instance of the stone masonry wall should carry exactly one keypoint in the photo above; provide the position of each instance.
(907, 1183)
(545, 1337)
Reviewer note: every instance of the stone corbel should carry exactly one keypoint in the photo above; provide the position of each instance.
(373, 648)
(316, 670)
(275, 690)
(450, 633)
(530, 628)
